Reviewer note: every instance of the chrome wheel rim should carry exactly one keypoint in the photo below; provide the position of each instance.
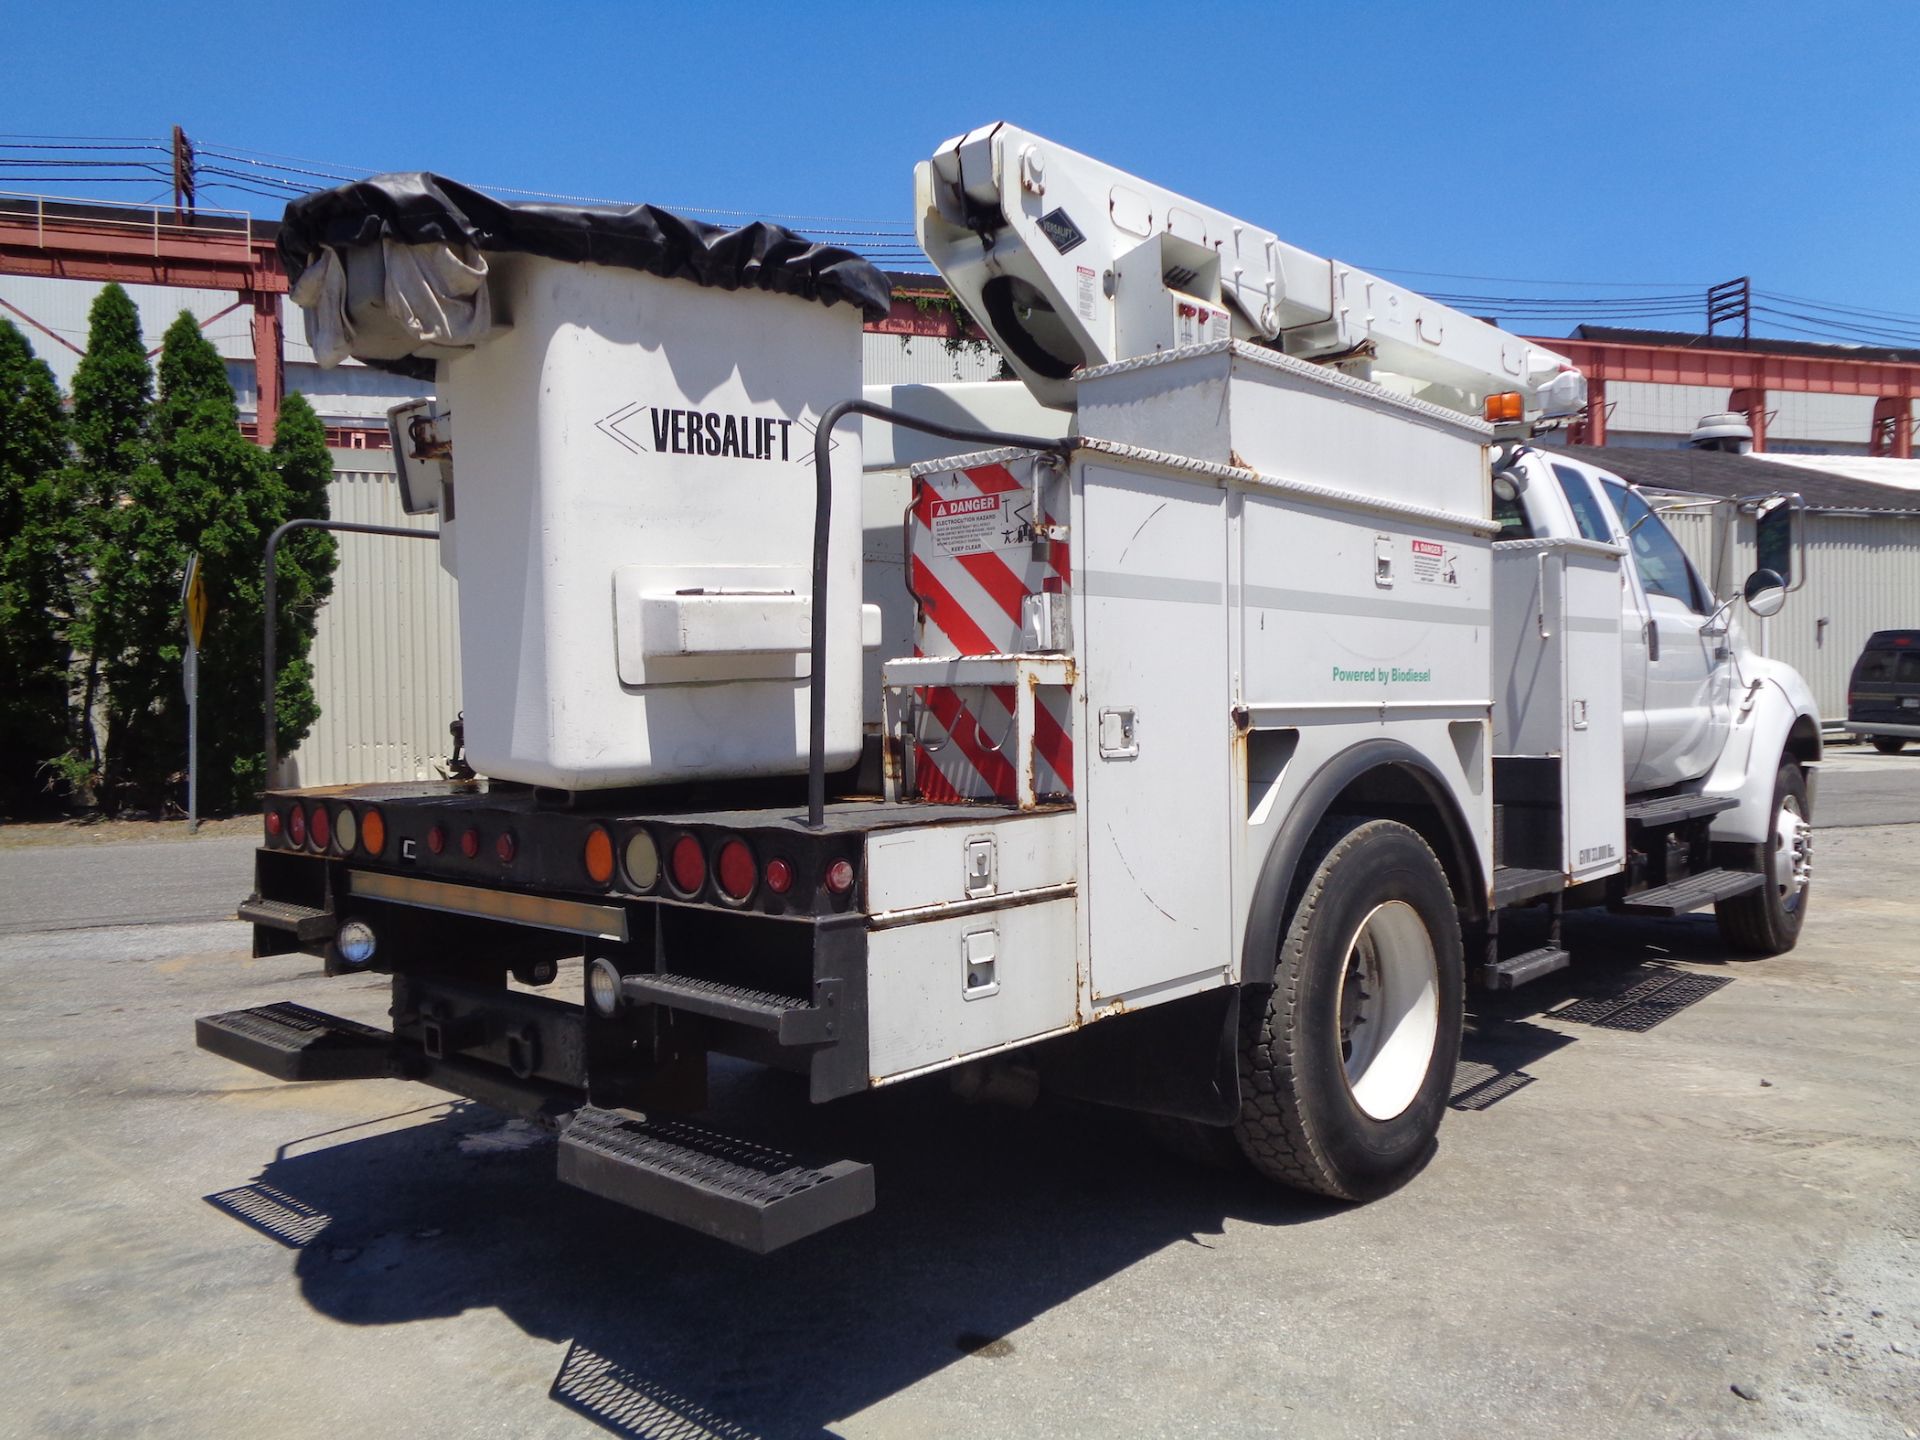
(1792, 854)
(1389, 1009)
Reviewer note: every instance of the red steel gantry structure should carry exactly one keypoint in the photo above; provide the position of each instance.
(154, 247)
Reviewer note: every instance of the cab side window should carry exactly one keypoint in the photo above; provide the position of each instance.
(1587, 512)
(1663, 565)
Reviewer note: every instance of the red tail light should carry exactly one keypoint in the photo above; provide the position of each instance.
(688, 864)
(504, 848)
(735, 870)
(320, 827)
(839, 876)
(274, 825)
(779, 876)
(297, 824)
(470, 842)
(437, 839)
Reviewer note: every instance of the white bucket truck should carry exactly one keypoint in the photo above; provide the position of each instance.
(1247, 688)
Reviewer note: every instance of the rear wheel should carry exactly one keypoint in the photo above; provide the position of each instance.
(1767, 921)
(1889, 744)
(1345, 1071)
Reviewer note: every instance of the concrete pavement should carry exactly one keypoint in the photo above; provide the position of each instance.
(1667, 1174)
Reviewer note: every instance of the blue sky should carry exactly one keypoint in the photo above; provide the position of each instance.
(1628, 147)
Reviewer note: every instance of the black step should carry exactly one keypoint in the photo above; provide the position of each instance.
(793, 1021)
(1517, 970)
(1511, 884)
(303, 922)
(1696, 892)
(733, 1190)
(1663, 810)
(291, 1042)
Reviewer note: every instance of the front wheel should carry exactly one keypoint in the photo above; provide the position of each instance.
(1889, 744)
(1346, 1070)
(1767, 921)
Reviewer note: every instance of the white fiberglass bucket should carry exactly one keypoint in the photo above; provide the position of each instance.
(632, 525)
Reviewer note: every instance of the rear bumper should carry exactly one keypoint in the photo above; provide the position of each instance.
(1867, 729)
(745, 1193)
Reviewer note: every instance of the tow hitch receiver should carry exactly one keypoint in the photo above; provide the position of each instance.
(731, 1189)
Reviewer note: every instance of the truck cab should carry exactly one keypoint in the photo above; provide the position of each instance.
(1682, 652)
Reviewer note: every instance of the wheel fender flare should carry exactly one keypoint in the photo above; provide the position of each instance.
(1276, 883)
(1777, 726)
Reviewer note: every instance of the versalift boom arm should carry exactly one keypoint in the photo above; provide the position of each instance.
(1068, 263)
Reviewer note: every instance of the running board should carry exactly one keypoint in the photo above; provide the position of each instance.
(733, 1190)
(291, 1042)
(1517, 970)
(1696, 892)
(1661, 811)
(1512, 884)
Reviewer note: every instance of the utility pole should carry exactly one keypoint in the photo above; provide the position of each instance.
(1729, 301)
(182, 173)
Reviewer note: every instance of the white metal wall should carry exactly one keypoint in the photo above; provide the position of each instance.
(387, 658)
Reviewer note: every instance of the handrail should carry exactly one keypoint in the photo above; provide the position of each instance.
(822, 515)
(271, 607)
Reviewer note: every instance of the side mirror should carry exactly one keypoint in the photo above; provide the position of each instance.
(1765, 592)
(1773, 539)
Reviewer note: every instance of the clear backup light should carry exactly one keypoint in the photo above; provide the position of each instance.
(356, 942)
(603, 985)
(346, 829)
(643, 861)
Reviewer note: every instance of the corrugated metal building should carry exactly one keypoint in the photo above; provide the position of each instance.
(1862, 549)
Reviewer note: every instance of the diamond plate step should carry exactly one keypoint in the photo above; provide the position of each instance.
(1675, 809)
(303, 922)
(733, 1190)
(291, 1042)
(1511, 884)
(793, 1021)
(1517, 970)
(1696, 892)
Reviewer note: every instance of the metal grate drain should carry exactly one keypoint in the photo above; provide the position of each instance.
(1645, 1004)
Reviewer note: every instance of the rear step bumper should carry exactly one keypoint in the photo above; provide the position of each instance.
(734, 1190)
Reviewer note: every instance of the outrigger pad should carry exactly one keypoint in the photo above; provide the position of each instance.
(291, 1042)
(733, 1190)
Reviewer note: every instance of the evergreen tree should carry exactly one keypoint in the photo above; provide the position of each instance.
(34, 543)
(112, 395)
(305, 569)
(210, 490)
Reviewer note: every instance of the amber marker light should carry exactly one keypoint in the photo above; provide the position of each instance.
(598, 856)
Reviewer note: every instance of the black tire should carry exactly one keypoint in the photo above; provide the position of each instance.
(1889, 744)
(1300, 1122)
(1767, 921)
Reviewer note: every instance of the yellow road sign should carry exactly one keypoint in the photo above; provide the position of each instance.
(196, 597)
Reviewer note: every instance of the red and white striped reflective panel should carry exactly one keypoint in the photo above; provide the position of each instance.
(973, 565)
